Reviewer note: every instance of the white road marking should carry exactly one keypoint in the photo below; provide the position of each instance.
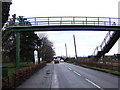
(86, 79)
(94, 84)
(73, 71)
(55, 83)
(77, 73)
(69, 68)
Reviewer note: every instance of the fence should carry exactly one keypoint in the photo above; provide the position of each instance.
(20, 76)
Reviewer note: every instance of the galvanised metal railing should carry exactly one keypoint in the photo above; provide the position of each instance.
(69, 20)
(104, 43)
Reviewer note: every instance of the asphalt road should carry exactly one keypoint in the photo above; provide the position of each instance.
(66, 75)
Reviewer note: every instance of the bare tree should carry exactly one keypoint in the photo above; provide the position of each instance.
(46, 51)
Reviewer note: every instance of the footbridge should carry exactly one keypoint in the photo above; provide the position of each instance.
(65, 24)
(70, 23)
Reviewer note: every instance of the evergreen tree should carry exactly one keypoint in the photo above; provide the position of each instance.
(5, 11)
(28, 44)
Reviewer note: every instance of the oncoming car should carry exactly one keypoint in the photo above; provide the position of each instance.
(56, 61)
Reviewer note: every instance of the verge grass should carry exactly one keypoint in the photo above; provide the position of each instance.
(102, 69)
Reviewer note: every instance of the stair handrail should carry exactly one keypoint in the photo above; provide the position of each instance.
(104, 42)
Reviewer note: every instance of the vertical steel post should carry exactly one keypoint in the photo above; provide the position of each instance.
(48, 21)
(1, 44)
(61, 21)
(17, 50)
(35, 21)
(0, 32)
(119, 25)
(110, 21)
(86, 20)
(98, 20)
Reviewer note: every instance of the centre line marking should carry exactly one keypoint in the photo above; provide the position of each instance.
(77, 73)
(94, 84)
(69, 68)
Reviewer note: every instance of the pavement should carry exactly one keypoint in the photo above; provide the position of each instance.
(41, 79)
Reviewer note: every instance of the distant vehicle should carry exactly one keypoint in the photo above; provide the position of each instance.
(56, 61)
(61, 60)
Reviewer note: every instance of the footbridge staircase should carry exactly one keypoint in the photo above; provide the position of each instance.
(108, 42)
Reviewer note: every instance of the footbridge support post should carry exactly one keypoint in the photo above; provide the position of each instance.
(17, 50)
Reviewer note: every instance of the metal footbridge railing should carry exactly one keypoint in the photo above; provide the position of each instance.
(108, 42)
(47, 21)
(104, 42)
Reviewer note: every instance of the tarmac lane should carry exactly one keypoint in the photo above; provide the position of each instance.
(69, 76)
(101, 79)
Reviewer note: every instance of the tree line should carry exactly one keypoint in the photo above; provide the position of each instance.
(5, 11)
(29, 42)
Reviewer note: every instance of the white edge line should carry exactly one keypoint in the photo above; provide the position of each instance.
(76, 73)
(94, 84)
(86, 79)
(67, 67)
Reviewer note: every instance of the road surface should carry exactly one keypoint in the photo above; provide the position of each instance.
(66, 75)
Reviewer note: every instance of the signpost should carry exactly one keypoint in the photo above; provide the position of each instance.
(36, 56)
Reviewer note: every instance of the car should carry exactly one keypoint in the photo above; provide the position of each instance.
(61, 60)
(56, 61)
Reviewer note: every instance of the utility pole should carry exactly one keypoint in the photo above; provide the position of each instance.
(75, 47)
(66, 49)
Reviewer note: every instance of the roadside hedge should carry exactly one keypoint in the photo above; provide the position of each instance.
(21, 75)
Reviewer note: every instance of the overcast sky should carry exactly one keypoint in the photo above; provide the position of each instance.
(86, 41)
